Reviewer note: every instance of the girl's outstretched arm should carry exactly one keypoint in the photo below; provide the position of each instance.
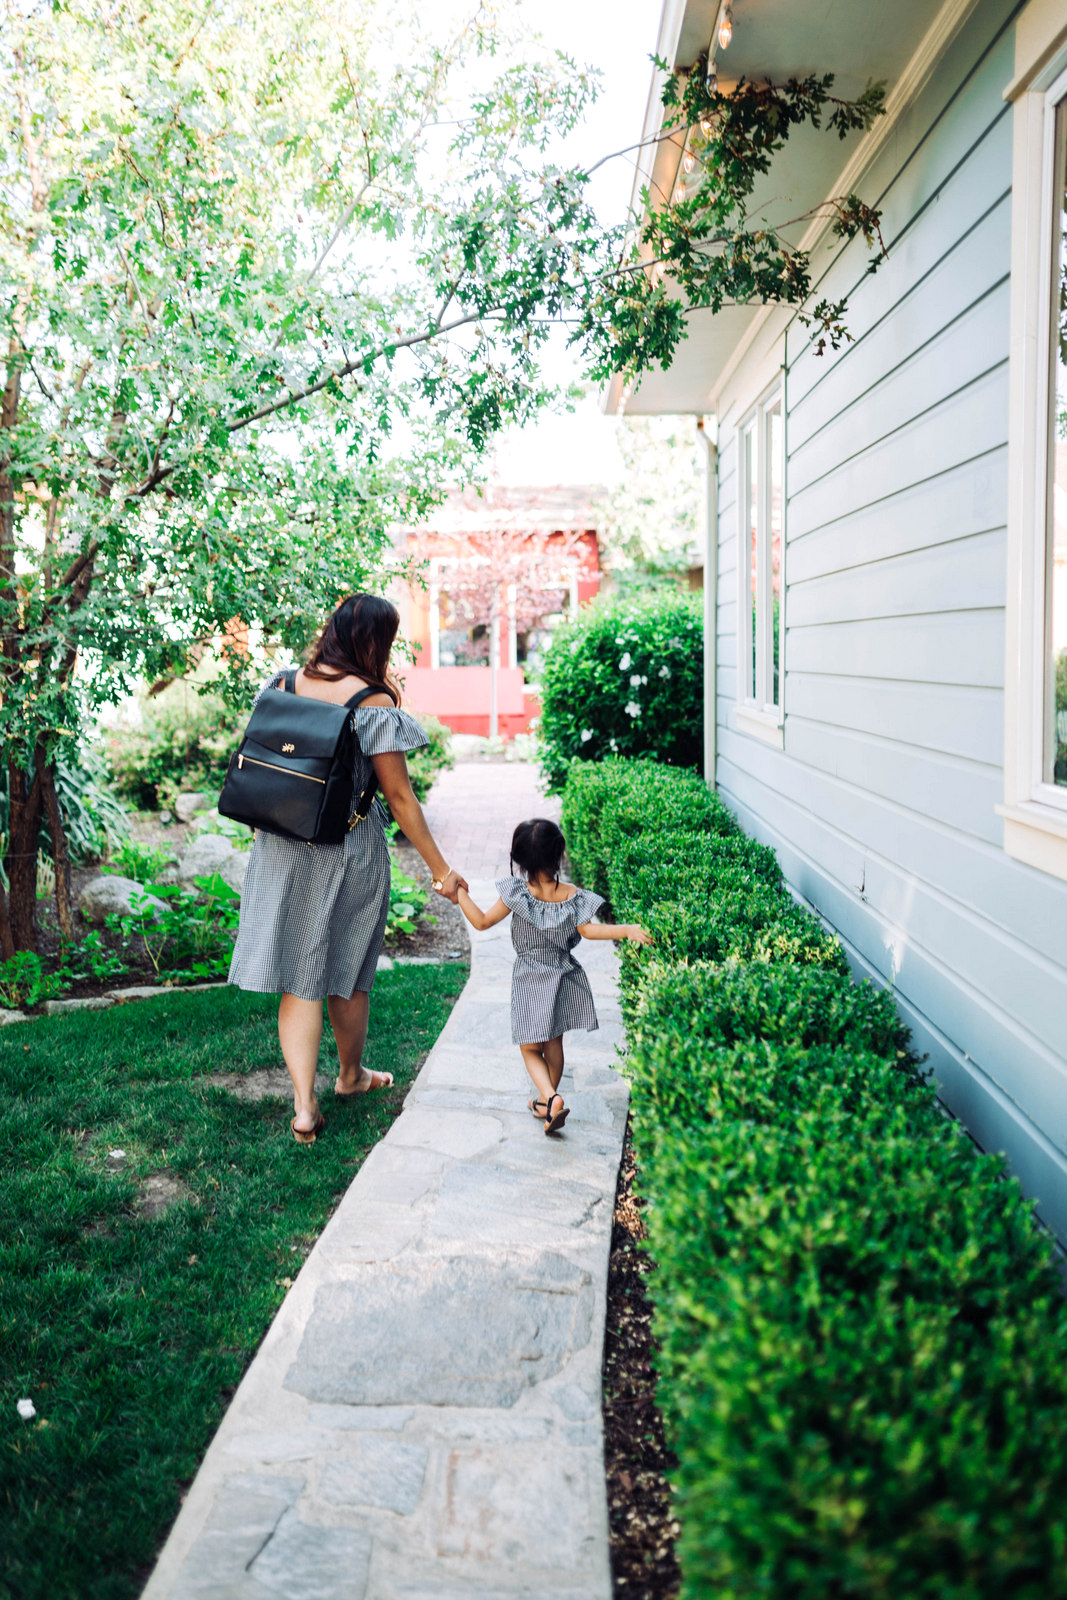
(476, 917)
(614, 930)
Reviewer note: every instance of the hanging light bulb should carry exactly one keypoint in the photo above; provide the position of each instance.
(712, 79)
(726, 26)
(679, 194)
(688, 161)
(705, 127)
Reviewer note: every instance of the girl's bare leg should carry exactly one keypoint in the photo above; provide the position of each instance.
(300, 1034)
(348, 1019)
(553, 1053)
(534, 1062)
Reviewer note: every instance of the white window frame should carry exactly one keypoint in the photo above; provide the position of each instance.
(1034, 811)
(756, 713)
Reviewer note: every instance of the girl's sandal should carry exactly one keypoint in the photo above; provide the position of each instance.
(538, 1107)
(555, 1120)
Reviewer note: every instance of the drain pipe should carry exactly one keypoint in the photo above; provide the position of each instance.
(711, 593)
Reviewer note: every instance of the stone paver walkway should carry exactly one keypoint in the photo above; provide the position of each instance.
(422, 1421)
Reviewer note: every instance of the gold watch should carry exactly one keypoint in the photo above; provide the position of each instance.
(437, 884)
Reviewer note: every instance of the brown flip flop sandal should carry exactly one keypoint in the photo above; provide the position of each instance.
(555, 1120)
(307, 1135)
(378, 1080)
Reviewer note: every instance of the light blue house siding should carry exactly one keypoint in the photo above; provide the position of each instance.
(881, 805)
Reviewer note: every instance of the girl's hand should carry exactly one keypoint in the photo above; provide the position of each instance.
(638, 935)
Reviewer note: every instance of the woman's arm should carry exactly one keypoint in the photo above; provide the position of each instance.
(391, 770)
(475, 916)
(614, 930)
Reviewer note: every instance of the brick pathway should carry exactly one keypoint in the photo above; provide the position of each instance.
(474, 809)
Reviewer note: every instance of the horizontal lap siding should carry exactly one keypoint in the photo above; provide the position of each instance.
(882, 803)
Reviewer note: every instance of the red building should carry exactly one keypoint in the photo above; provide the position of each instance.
(498, 571)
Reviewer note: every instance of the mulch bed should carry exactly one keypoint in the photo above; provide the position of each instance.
(642, 1525)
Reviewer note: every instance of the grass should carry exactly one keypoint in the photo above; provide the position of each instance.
(130, 1334)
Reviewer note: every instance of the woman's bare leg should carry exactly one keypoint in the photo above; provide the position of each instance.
(553, 1053)
(300, 1034)
(349, 1019)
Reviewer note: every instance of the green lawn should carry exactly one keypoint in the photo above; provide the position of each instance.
(131, 1334)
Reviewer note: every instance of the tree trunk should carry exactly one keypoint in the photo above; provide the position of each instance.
(494, 663)
(60, 854)
(23, 845)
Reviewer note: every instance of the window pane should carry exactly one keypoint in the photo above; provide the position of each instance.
(752, 506)
(774, 528)
(1056, 712)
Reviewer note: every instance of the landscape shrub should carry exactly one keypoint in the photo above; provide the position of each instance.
(182, 742)
(862, 1335)
(625, 677)
(425, 764)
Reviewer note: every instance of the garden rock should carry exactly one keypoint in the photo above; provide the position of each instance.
(209, 854)
(189, 806)
(101, 896)
(11, 1016)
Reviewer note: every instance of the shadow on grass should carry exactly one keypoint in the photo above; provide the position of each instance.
(128, 1330)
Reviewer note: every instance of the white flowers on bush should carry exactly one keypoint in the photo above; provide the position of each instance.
(613, 747)
(587, 734)
(624, 664)
(664, 672)
(633, 709)
(27, 1410)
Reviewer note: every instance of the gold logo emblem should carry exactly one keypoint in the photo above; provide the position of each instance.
(287, 749)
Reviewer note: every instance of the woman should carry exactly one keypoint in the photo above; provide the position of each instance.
(313, 916)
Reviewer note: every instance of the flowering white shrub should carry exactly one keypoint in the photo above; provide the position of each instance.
(625, 678)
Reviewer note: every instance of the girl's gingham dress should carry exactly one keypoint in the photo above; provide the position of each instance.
(550, 992)
(313, 915)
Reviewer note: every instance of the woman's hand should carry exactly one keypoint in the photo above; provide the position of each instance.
(451, 884)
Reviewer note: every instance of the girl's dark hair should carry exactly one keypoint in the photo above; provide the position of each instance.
(357, 641)
(537, 848)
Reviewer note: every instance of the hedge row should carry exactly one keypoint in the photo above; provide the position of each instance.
(863, 1359)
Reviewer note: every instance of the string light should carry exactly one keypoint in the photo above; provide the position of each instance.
(688, 161)
(712, 79)
(726, 26)
(679, 194)
(705, 127)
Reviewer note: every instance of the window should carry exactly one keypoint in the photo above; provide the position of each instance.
(1035, 742)
(762, 543)
(1054, 731)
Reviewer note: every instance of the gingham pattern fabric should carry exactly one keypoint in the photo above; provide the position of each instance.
(550, 992)
(313, 915)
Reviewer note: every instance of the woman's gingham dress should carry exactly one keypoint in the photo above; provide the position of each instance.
(313, 915)
(550, 992)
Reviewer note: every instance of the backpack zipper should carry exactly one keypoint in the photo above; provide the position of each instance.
(274, 767)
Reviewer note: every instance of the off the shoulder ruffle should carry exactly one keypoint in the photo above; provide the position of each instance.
(380, 729)
(581, 907)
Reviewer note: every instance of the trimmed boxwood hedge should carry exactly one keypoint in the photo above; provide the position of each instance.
(863, 1360)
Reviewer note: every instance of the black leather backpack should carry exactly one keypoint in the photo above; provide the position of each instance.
(292, 772)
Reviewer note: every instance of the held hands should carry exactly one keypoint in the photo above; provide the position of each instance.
(449, 886)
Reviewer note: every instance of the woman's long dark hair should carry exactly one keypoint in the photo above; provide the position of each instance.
(357, 640)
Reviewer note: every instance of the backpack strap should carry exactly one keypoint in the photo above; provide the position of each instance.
(288, 683)
(366, 799)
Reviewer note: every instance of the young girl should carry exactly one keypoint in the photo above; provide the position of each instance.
(549, 990)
